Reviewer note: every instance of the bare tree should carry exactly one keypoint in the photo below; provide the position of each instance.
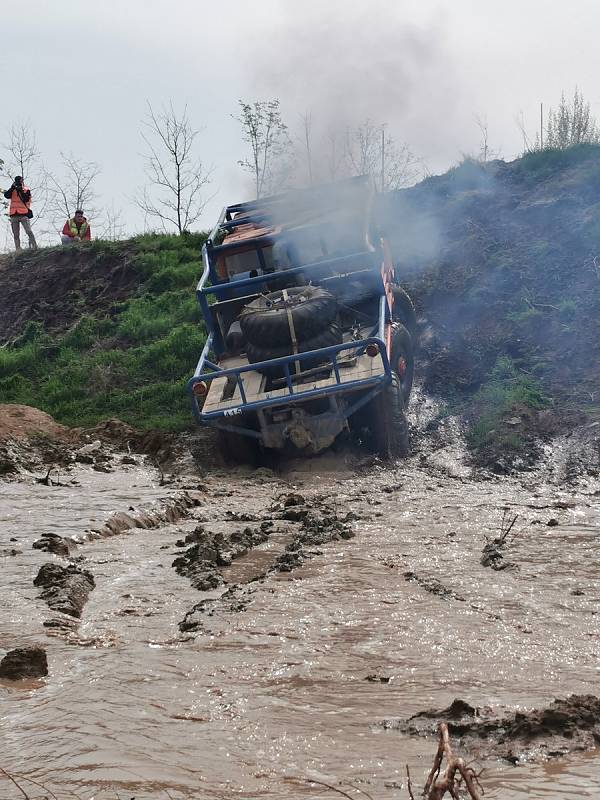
(22, 148)
(370, 150)
(177, 176)
(485, 151)
(113, 227)
(335, 154)
(266, 133)
(529, 145)
(73, 188)
(24, 158)
(306, 143)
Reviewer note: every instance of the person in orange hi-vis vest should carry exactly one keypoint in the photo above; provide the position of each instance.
(20, 211)
(76, 229)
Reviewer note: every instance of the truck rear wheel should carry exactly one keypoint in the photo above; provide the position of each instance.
(388, 423)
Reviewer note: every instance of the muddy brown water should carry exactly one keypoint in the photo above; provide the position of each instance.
(265, 699)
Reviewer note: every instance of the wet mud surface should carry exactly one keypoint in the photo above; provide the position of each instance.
(331, 596)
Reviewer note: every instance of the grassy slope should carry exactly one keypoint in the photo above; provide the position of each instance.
(130, 360)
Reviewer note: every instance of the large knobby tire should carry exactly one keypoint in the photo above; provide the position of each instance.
(403, 311)
(402, 359)
(237, 448)
(326, 338)
(267, 319)
(389, 426)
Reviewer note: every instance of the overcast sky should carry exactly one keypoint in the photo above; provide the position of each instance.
(82, 72)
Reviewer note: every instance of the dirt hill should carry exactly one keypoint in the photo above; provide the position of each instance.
(503, 262)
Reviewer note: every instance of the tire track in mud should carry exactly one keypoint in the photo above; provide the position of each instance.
(300, 526)
(66, 589)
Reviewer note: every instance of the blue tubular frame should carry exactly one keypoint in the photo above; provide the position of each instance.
(203, 292)
(293, 394)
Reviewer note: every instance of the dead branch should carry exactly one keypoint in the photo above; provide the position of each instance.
(18, 785)
(438, 782)
(409, 784)
(507, 525)
(329, 786)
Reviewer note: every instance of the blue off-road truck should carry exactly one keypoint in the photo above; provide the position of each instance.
(309, 335)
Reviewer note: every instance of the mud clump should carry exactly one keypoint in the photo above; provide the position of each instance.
(65, 589)
(52, 543)
(24, 662)
(563, 727)
(172, 510)
(492, 556)
(233, 601)
(8, 461)
(318, 527)
(210, 551)
(434, 586)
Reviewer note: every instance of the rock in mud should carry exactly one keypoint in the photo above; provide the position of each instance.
(65, 589)
(563, 727)
(52, 543)
(24, 662)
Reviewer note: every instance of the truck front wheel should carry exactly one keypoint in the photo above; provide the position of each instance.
(388, 423)
(237, 448)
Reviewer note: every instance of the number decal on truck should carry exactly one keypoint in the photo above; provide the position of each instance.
(232, 412)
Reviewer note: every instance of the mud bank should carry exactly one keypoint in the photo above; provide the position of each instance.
(32, 441)
(565, 726)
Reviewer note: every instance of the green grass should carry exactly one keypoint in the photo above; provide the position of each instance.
(132, 364)
(506, 392)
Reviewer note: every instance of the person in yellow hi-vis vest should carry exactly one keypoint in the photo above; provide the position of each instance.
(76, 229)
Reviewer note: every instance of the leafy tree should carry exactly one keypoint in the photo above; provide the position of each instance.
(267, 135)
(570, 124)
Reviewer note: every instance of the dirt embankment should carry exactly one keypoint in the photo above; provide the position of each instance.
(55, 286)
(501, 260)
(32, 440)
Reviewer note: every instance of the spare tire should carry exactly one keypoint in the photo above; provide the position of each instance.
(267, 319)
(330, 336)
